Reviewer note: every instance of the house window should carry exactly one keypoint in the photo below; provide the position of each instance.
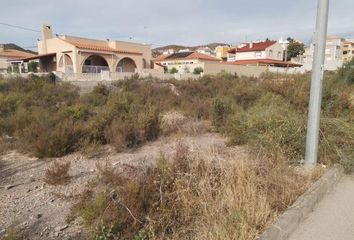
(270, 53)
(345, 52)
(258, 54)
(279, 54)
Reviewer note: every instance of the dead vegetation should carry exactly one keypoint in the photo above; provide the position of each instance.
(192, 196)
(57, 173)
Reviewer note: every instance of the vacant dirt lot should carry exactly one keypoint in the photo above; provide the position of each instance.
(39, 210)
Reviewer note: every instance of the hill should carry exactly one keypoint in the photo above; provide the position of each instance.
(160, 50)
(16, 47)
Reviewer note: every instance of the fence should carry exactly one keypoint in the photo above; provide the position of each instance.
(94, 69)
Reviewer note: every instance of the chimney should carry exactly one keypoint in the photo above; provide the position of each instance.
(47, 32)
(251, 45)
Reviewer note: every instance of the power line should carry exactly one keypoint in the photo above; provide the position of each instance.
(19, 27)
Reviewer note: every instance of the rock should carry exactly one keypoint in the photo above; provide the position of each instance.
(61, 228)
(39, 215)
(2, 231)
(9, 187)
(92, 170)
(32, 179)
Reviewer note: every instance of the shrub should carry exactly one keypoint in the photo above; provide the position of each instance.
(134, 128)
(272, 127)
(57, 173)
(46, 134)
(173, 70)
(346, 73)
(221, 110)
(190, 197)
(198, 70)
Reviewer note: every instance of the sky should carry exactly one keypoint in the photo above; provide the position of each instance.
(162, 22)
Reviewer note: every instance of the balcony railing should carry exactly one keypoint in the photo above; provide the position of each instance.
(94, 69)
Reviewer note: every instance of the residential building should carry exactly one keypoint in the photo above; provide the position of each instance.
(205, 50)
(184, 62)
(256, 50)
(348, 50)
(222, 52)
(168, 51)
(333, 54)
(69, 54)
(184, 50)
(8, 55)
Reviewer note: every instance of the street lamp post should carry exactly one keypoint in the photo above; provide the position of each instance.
(313, 127)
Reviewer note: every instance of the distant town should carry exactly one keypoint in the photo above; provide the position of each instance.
(77, 58)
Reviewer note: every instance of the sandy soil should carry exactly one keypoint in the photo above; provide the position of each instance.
(39, 210)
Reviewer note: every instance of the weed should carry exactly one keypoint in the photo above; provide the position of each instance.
(57, 173)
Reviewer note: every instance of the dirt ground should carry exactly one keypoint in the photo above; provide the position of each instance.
(39, 210)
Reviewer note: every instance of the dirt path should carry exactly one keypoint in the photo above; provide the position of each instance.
(40, 210)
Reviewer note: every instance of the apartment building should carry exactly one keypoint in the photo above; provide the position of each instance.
(334, 55)
(348, 50)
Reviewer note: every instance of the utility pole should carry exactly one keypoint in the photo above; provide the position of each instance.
(313, 127)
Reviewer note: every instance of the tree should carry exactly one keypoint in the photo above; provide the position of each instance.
(295, 48)
(198, 70)
(173, 70)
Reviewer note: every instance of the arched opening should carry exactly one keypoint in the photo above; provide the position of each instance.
(126, 65)
(66, 62)
(95, 64)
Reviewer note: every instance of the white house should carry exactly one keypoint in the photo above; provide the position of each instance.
(272, 50)
(184, 62)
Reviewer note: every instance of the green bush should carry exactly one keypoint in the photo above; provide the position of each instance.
(221, 110)
(173, 70)
(272, 127)
(46, 134)
(198, 70)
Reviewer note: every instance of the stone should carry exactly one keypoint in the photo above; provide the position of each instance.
(61, 228)
(9, 187)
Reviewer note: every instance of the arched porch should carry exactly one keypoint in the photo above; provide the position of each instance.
(126, 65)
(95, 64)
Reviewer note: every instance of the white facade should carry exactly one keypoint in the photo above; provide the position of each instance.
(183, 66)
(274, 52)
(333, 58)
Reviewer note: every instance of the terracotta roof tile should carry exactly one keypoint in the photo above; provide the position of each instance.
(94, 47)
(12, 53)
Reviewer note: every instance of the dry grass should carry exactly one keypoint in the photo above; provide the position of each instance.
(199, 195)
(57, 173)
(176, 123)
